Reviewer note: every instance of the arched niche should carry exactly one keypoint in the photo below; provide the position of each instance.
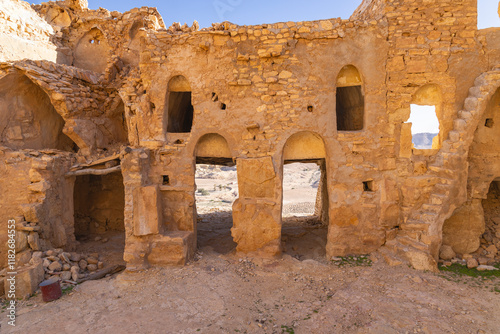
(487, 136)
(213, 148)
(28, 119)
(350, 106)
(91, 51)
(179, 106)
(304, 146)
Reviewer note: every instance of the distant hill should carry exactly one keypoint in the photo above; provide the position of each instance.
(423, 140)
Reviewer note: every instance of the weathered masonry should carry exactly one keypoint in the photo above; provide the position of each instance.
(104, 119)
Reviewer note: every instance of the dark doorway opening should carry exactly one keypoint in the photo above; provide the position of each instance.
(350, 108)
(180, 112)
(99, 203)
(491, 236)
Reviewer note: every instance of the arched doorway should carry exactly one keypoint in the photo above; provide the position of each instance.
(305, 196)
(216, 190)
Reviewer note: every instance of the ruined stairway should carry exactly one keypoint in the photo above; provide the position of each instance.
(419, 237)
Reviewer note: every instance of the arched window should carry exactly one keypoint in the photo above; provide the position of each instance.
(425, 117)
(91, 52)
(180, 109)
(350, 100)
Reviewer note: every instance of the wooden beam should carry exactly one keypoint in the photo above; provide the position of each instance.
(93, 171)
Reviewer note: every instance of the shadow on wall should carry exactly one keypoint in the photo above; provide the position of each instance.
(133, 49)
(28, 119)
(99, 204)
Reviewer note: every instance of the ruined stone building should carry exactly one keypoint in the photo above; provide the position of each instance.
(104, 115)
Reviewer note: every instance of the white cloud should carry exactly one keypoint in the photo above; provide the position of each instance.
(423, 119)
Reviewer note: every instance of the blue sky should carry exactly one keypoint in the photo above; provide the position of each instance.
(246, 12)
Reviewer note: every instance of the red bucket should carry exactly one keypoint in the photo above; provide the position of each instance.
(51, 289)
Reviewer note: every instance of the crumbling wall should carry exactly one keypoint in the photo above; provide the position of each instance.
(93, 113)
(94, 38)
(257, 87)
(33, 187)
(464, 229)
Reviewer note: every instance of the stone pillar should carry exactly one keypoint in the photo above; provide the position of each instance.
(321, 207)
(147, 210)
(257, 212)
(134, 165)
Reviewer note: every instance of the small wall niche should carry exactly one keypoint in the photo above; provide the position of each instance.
(368, 186)
(489, 123)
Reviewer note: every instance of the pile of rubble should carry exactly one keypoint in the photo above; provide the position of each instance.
(483, 259)
(68, 266)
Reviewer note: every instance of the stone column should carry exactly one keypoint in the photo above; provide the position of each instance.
(321, 206)
(256, 213)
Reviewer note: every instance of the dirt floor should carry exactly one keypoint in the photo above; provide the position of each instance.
(228, 294)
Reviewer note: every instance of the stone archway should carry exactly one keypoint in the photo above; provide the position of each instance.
(28, 120)
(216, 190)
(304, 196)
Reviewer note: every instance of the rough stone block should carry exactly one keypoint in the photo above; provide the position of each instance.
(26, 280)
(463, 230)
(256, 226)
(256, 178)
(147, 210)
(406, 146)
(21, 239)
(175, 248)
(34, 241)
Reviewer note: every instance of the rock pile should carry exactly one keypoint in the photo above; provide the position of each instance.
(483, 259)
(68, 266)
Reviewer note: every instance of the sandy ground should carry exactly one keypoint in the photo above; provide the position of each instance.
(227, 294)
(302, 292)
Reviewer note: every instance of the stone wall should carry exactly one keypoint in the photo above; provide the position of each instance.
(34, 187)
(271, 93)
